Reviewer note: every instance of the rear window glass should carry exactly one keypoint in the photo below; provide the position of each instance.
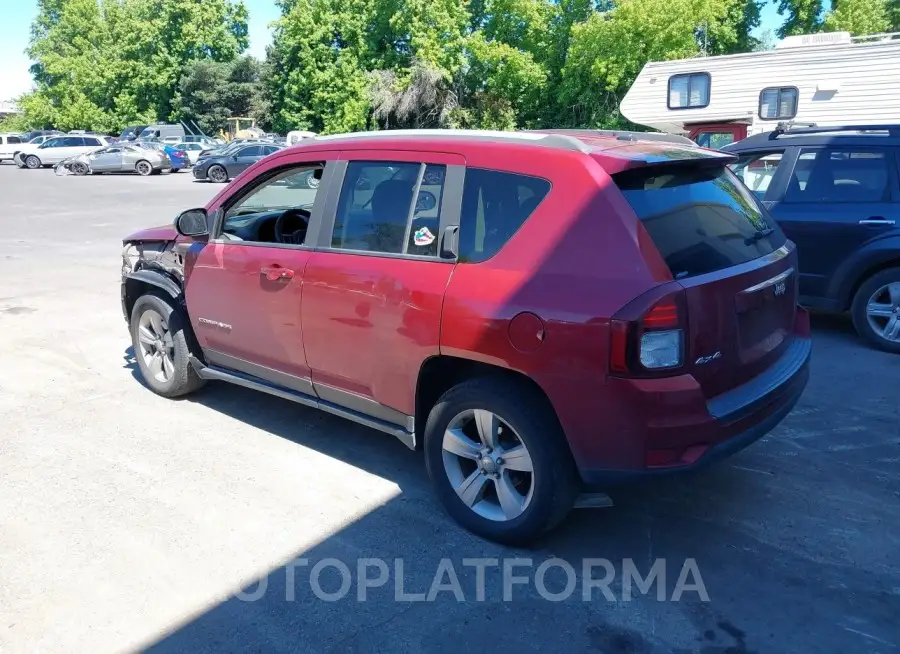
(701, 218)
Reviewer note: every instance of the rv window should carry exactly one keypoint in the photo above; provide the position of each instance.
(757, 170)
(689, 91)
(778, 103)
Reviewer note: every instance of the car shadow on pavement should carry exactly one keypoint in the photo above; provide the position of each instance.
(728, 520)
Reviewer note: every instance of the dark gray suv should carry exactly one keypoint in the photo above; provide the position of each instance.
(835, 192)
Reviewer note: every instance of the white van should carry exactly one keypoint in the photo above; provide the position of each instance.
(52, 151)
(162, 132)
(9, 145)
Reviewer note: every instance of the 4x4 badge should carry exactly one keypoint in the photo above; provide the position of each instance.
(711, 357)
(780, 288)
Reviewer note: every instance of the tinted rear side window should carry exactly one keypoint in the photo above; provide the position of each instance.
(701, 218)
(495, 205)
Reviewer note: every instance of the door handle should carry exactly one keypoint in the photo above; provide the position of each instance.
(876, 220)
(276, 273)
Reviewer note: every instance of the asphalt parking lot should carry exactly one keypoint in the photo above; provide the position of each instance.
(130, 522)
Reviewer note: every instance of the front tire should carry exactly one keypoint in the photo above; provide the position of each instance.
(876, 310)
(32, 162)
(499, 461)
(160, 347)
(217, 174)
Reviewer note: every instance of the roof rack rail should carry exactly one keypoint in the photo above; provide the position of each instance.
(812, 128)
(622, 135)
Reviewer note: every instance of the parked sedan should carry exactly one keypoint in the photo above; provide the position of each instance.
(123, 158)
(225, 165)
(177, 156)
(193, 150)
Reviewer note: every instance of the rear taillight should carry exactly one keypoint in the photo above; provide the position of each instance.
(651, 342)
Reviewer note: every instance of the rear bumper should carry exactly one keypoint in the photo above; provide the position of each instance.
(689, 434)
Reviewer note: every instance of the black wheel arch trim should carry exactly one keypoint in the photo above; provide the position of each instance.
(158, 279)
(865, 262)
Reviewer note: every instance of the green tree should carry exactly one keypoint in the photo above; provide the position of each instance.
(102, 63)
(858, 17)
(801, 17)
(210, 92)
(607, 52)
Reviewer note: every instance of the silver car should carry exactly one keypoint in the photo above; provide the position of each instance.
(119, 158)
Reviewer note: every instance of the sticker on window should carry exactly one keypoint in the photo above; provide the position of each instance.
(423, 236)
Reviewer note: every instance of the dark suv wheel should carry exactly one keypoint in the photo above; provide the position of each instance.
(160, 347)
(499, 461)
(876, 310)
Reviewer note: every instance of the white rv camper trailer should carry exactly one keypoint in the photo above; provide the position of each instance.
(822, 79)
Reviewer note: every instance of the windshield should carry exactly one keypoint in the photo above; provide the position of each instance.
(701, 218)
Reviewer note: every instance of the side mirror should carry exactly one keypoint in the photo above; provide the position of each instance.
(192, 223)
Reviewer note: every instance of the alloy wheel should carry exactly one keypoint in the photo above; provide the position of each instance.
(157, 346)
(217, 174)
(488, 465)
(32, 162)
(144, 168)
(883, 312)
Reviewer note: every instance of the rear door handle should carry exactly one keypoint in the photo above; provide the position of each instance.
(876, 220)
(276, 273)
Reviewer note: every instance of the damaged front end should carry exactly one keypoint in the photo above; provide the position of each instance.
(77, 165)
(148, 265)
(162, 256)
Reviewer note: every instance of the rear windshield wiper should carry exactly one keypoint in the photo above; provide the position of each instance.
(759, 235)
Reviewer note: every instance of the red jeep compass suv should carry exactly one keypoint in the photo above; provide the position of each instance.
(544, 313)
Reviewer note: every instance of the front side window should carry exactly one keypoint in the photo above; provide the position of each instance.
(92, 142)
(835, 175)
(778, 103)
(689, 91)
(757, 170)
(252, 151)
(390, 207)
(53, 143)
(73, 142)
(276, 211)
(495, 205)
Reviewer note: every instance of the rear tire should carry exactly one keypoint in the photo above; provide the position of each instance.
(160, 347)
(543, 497)
(876, 310)
(32, 162)
(143, 168)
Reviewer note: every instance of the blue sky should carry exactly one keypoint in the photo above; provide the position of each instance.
(18, 14)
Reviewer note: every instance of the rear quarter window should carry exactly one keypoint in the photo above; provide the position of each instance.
(495, 205)
(701, 218)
